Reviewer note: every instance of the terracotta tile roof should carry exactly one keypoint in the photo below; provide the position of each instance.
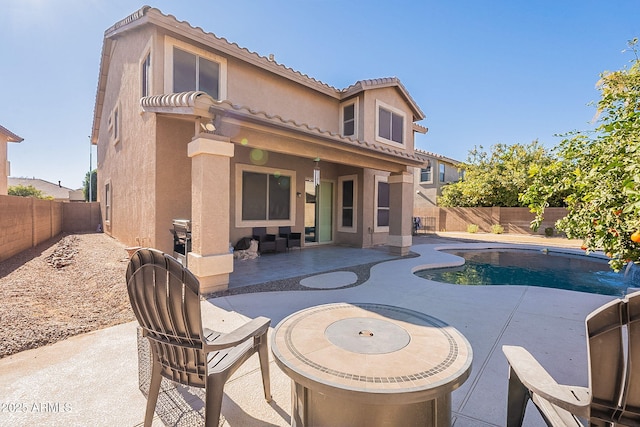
(438, 156)
(275, 119)
(11, 137)
(362, 85)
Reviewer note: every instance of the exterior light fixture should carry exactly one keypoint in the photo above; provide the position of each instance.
(316, 172)
(208, 126)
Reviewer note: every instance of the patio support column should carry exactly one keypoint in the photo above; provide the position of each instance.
(210, 259)
(400, 213)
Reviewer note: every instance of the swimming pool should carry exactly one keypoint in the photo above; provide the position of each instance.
(531, 268)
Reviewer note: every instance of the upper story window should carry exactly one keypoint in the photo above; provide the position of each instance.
(114, 124)
(145, 74)
(425, 174)
(390, 124)
(442, 172)
(189, 68)
(349, 118)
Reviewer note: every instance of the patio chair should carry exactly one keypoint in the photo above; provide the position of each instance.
(165, 298)
(294, 240)
(268, 242)
(613, 395)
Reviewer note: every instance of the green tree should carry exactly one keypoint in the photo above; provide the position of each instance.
(599, 172)
(27, 191)
(496, 178)
(93, 177)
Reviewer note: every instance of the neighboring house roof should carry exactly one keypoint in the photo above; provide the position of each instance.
(11, 137)
(154, 16)
(56, 191)
(438, 156)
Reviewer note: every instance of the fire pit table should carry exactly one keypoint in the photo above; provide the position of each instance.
(364, 364)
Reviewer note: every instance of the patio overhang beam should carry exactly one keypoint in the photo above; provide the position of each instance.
(295, 140)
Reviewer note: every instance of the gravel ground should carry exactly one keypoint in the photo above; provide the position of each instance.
(70, 285)
(75, 284)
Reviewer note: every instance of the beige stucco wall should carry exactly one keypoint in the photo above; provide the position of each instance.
(129, 165)
(363, 237)
(392, 98)
(173, 178)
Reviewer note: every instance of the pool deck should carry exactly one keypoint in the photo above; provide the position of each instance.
(92, 379)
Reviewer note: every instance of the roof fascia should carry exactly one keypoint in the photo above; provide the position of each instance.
(364, 85)
(182, 28)
(11, 137)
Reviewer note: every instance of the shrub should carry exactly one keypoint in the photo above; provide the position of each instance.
(497, 229)
(472, 228)
(548, 231)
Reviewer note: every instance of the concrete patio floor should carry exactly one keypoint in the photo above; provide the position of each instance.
(92, 379)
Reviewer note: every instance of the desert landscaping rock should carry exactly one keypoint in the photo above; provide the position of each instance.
(70, 285)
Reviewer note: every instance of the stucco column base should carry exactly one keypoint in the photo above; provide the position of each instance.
(400, 213)
(399, 245)
(212, 271)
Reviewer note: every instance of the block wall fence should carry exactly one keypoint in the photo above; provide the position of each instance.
(513, 220)
(26, 222)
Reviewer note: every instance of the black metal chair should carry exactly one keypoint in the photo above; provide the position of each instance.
(165, 298)
(294, 240)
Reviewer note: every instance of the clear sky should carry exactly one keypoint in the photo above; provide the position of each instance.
(483, 71)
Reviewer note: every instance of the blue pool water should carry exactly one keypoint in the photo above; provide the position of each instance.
(531, 268)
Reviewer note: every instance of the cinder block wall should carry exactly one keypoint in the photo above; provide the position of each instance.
(16, 225)
(25, 221)
(513, 220)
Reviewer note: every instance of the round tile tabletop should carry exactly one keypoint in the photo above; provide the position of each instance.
(372, 353)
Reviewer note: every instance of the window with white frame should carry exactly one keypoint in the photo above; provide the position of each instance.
(347, 207)
(442, 175)
(425, 174)
(264, 196)
(383, 204)
(145, 75)
(107, 202)
(188, 68)
(114, 124)
(390, 124)
(349, 118)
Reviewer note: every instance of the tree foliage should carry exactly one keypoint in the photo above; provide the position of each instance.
(27, 191)
(599, 173)
(496, 178)
(93, 177)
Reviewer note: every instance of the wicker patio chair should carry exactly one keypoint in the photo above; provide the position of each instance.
(294, 239)
(165, 298)
(613, 395)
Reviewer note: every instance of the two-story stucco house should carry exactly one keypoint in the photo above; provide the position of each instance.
(6, 136)
(431, 177)
(189, 125)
